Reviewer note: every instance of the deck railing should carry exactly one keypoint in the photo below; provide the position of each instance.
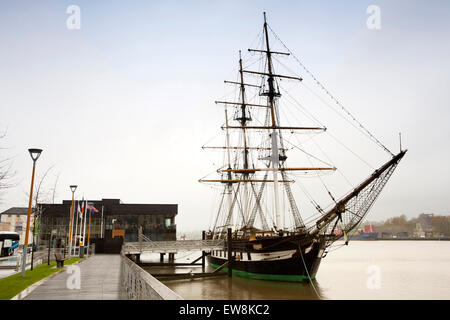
(140, 285)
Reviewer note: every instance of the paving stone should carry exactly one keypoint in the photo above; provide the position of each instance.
(100, 280)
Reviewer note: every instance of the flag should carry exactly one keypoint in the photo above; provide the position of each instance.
(92, 208)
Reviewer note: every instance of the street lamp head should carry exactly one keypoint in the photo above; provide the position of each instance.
(35, 153)
(73, 188)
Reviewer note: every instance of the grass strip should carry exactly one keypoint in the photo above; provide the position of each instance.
(14, 284)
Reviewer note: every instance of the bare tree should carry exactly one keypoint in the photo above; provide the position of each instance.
(54, 188)
(43, 193)
(6, 173)
(441, 224)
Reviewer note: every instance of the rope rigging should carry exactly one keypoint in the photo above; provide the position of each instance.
(332, 97)
(301, 108)
(246, 201)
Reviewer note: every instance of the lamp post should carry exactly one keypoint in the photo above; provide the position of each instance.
(36, 212)
(34, 153)
(83, 227)
(89, 228)
(72, 188)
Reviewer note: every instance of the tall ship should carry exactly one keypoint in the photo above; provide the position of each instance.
(271, 236)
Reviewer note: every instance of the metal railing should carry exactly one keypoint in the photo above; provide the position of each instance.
(42, 255)
(39, 257)
(9, 262)
(173, 246)
(140, 285)
(76, 251)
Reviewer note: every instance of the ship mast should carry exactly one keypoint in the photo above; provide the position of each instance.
(243, 114)
(348, 211)
(244, 137)
(245, 173)
(229, 186)
(275, 159)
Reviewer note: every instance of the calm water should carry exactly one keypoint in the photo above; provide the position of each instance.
(361, 270)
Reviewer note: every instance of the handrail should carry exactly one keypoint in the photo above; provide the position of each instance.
(145, 238)
(185, 245)
(140, 285)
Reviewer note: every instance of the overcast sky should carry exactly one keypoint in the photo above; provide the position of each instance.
(123, 105)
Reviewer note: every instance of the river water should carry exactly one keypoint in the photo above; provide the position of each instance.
(362, 270)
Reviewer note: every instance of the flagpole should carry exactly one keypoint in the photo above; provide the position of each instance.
(101, 227)
(79, 234)
(83, 215)
(89, 230)
(71, 228)
(84, 224)
(74, 239)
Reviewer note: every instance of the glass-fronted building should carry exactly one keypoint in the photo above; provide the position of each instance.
(113, 218)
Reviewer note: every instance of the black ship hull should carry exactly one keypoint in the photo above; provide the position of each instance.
(276, 259)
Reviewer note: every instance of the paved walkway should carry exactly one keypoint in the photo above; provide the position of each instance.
(100, 280)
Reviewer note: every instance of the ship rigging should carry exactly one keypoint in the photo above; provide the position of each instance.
(257, 200)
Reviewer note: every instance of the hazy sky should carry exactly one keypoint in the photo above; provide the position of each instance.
(123, 105)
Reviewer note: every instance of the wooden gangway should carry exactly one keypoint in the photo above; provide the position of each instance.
(172, 246)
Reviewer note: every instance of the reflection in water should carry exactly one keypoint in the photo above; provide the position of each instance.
(240, 288)
(404, 270)
(235, 288)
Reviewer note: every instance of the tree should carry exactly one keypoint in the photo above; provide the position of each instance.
(441, 224)
(54, 188)
(42, 192)
(397, 221)
(398, 224)
(6, 173)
